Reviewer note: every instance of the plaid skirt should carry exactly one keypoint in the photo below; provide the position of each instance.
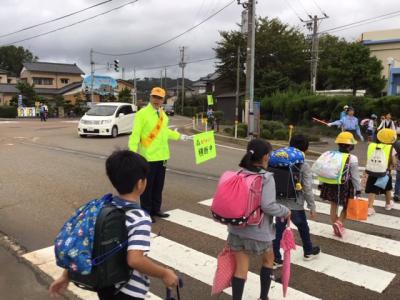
(337, 193)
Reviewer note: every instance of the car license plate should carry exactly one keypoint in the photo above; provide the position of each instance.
(90, 129)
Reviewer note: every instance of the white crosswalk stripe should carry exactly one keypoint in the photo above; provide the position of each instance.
(360, 239)
(341, 269)
(201, 266)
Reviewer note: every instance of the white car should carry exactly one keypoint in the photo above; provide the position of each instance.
(107, 119)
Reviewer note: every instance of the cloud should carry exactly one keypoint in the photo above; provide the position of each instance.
(148, 22)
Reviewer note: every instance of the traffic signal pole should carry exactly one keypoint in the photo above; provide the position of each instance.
(91, 76)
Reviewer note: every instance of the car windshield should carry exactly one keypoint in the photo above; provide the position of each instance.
(102, 110)
(168, 107)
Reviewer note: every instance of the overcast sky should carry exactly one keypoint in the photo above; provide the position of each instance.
(148, 22)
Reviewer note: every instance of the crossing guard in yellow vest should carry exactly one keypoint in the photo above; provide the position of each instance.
(381, 157)
(150, 137)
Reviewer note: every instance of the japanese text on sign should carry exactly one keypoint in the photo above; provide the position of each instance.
(204, 146)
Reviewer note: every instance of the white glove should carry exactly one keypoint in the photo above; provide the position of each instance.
(184, 137)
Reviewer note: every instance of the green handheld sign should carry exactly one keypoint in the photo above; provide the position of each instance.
(204, 146)
(210, 100)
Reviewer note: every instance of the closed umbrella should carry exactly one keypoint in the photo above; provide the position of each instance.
(287, 244)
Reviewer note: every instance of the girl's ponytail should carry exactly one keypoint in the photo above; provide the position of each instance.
(256, 149)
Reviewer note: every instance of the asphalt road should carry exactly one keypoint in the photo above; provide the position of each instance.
(47, 171)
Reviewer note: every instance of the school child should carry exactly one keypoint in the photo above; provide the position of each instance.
(127, 172)
(346, 186)
(296, 206)
(256, 240)
(381, 158)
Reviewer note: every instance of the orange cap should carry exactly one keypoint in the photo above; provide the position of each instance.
(157, 91)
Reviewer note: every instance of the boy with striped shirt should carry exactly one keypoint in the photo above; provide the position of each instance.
(127, 172)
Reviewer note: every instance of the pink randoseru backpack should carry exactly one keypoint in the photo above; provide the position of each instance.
(237, 200)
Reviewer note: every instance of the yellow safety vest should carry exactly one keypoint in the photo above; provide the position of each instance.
(386, 148)
(339, 179)
(150, 134)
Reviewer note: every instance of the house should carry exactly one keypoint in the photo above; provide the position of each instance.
(385, 46)
(51, 75)
(7, 92)
(199, 87)
(7, 77)
(224, 95)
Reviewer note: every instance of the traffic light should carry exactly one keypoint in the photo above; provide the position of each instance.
(116, 65)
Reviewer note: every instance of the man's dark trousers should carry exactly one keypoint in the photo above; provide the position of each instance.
(151, 199)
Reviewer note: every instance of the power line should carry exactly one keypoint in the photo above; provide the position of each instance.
(171, 39)
(177, 64)
(362, 22)
(73, 24)
(319, 7)
(54, 20)
(307, 13)
(295, 11)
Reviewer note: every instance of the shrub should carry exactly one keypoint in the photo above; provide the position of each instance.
(281, 134)
(219, 115)
(242, 132)
(266, 134)
(229, 130)
(8, 112)
(273, 125)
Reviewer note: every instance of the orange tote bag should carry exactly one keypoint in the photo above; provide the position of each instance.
(357, 209)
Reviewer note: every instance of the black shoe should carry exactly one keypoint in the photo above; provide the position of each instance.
(396, 198)
(160, 214)
(277, 263)
(153, 220)
(314, 253)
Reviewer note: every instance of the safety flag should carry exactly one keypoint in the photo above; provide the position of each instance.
(210, 100)
(204, 146)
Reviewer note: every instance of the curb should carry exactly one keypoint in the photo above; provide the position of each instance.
(243, 142)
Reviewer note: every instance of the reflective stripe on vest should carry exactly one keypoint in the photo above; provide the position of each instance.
(384, 147)
(154, 132)
(339, 179)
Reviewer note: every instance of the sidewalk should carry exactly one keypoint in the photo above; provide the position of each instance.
(18, 281)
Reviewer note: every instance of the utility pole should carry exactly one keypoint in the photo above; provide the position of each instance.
(312, 25)
(123, 73)
(91, 76)
(135, 87)
(161, 78)
(237, 91)
(165, 78)
(182, 64)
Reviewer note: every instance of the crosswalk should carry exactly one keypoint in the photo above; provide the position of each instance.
(201, 266)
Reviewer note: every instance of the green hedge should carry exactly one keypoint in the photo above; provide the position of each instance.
(300, 108)
(8, 112)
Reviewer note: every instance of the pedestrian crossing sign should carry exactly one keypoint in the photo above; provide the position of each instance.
(204, 146)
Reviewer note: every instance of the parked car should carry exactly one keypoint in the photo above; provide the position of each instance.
(169, 109)
(107, 119)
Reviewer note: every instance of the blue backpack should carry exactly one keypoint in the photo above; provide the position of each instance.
(92, 245)
(286, 157)
(285, 164)
(74, 243)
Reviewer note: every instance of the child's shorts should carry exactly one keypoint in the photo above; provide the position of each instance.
(237, 243)
(371, 188)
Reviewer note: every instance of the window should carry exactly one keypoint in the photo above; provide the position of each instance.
(126, 110)
(64, 80)
(42, 81)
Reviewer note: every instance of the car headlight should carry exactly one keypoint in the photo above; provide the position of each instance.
(105, 122)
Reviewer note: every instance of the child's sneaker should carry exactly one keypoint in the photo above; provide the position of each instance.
(389, 206)
(277, 263)
(371, 211)
(314, 253)
(338, 229)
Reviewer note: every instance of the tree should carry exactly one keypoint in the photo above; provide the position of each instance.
(356, 69)
(125, 95)
(28, 93)
(12, 58)
(280, 61)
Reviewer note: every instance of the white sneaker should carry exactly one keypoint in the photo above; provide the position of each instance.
(389, 206)
(371, 211)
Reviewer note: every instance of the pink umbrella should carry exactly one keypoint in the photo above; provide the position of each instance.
(287, 244)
